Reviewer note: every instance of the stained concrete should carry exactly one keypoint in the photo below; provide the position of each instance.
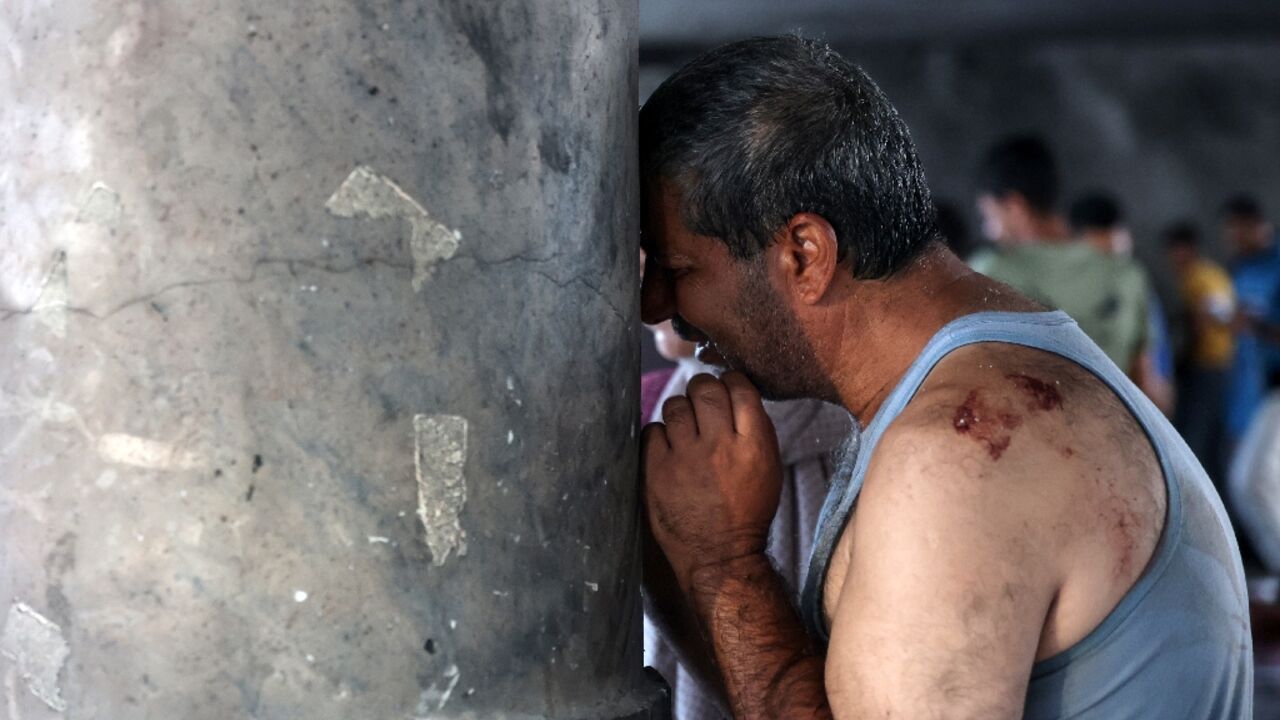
(210, 468)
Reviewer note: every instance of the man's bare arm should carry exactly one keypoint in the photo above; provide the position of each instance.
(946, 600)
(766, 660)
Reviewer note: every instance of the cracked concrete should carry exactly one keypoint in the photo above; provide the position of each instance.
(290, 263)
(213, 361)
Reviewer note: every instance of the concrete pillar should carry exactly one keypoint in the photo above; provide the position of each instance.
(318, 344)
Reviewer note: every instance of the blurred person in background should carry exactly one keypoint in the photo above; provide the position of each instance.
(1017, 192)
(1253, 486)
(1208, 307)
(1253, 496)
(671, 347)
(1098, 220)
(1107, 296)
(811, 434)
(1255, 273)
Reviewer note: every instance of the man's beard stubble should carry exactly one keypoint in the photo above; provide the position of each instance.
(771, 348)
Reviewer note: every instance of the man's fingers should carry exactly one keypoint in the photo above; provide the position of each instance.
(653, 434)
(711, 404)
(653, 443)
(749, 417)
(677, 415)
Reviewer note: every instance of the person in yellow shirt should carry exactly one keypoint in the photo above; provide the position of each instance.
(1209, 303)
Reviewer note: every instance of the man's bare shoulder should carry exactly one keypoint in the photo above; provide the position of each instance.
(953, 549)
(1025, 441)
(985, 417)
(1030, 458)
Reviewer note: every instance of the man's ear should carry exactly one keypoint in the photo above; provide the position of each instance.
(808, 255)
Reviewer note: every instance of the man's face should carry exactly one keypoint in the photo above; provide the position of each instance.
(1246, 235)
(729, 307)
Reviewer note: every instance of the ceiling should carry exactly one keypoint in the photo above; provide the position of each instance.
(672, 29)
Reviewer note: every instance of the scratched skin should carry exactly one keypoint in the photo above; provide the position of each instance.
(1125, 523)
(1041, 394)
(992, 427)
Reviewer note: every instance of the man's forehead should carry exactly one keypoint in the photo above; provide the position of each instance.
(662, 231)
(658, 205)
(677, 246)
(665, 236)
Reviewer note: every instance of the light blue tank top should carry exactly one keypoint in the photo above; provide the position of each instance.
(1178, 644)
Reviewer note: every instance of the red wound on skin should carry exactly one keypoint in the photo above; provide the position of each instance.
(1043, 395)
(965, 418)
(989, 428)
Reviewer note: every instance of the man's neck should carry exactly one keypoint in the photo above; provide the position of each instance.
(886, 324)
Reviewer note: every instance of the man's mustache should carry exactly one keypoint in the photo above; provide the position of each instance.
(687, 332)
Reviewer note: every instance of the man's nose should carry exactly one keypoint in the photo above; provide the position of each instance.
(657, 301)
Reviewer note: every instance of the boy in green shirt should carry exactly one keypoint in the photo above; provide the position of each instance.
(1106, 295)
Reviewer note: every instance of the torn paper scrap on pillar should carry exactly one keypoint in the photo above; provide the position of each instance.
(434, 698)
(440, 455)
(37, 647)
(144, 452)
(101, 207)
(368, 193)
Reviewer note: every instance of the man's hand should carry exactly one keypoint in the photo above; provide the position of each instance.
(712, 475)
(712, 480)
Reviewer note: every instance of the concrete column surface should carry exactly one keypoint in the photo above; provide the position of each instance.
(317, 358)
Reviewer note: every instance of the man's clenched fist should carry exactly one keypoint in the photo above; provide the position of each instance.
(711, 474)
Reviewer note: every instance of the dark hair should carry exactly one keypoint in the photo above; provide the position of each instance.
(1095, 211)
(1021, 164)
(1245, 207)
(1183, 233)
(754, 132)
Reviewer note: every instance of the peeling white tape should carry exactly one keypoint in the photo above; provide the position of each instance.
(434, 698)
(365, 192)
(146, 453)
(37, 647)
(102, 207)
(440, 456)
